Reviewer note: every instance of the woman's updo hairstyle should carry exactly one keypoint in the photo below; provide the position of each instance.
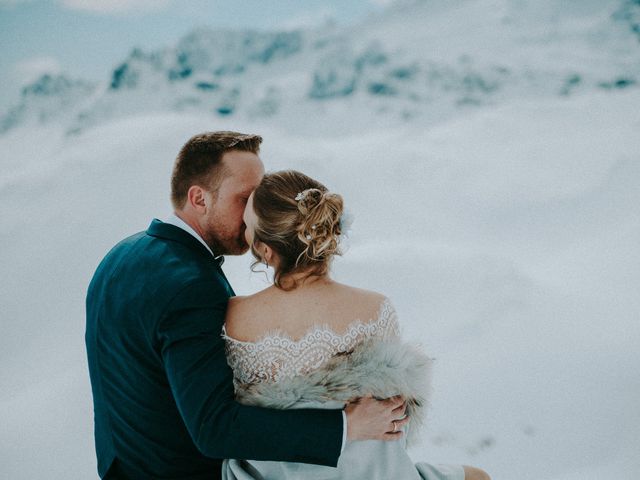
(300, 220)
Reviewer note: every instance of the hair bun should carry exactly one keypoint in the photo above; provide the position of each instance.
(300, 220)
(309, 199)
(320, 225)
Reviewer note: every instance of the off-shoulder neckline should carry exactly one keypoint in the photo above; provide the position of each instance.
(385, 306)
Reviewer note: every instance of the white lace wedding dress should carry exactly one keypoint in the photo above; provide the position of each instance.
(277, 358)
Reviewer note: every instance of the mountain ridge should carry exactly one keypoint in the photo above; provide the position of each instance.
(418, 60)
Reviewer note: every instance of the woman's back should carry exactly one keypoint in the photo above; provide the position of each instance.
(320, 302)
(319, 349)
(276, 334)
(279, 342)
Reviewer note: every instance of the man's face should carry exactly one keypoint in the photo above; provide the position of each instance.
(224, 229)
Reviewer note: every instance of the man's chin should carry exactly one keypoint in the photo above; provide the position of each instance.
(237, 248)
(239, 251)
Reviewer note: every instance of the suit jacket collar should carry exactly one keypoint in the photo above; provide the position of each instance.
(167, 231)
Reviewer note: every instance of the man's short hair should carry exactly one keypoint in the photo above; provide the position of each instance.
(199, 161)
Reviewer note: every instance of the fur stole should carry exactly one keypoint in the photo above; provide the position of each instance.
(381, 368)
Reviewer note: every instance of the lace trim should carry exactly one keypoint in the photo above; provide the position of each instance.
(275, 354)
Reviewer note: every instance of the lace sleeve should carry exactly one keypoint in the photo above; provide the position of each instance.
(388, 320)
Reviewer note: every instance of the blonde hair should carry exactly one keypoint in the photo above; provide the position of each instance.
(300, 220)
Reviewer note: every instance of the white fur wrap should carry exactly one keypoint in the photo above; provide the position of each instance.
(380, 368)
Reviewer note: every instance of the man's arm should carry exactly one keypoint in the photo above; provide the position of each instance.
(202, 384)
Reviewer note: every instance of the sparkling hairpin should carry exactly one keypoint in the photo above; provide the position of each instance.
(299, 196)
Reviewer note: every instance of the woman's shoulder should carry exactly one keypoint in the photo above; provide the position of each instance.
(247, 303)
(244, 315)
(374, 306)
(342, 307)
(363, 299)
(236, 311)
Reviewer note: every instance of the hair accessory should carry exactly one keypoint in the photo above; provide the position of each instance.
(346, 220)
(299, 196)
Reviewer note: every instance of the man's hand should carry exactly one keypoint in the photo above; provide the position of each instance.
(371, 419)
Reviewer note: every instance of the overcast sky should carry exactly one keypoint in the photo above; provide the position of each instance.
(87, 38)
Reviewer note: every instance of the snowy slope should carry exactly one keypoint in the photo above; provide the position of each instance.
(493, 179)
(510, 250)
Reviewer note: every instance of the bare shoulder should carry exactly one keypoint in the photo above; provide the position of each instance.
(242, 321)
(364, 304)
(234, 308)
(235, 305)
(363, 296)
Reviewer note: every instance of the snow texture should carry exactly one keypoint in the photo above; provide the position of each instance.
(490, 154)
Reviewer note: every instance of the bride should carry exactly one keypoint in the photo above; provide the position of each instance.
(308, 341)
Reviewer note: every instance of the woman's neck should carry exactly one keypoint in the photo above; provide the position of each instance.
(303, 280)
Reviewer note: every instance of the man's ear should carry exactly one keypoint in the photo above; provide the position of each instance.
(196, 199)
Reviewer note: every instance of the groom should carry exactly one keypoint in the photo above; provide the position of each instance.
(162, 390)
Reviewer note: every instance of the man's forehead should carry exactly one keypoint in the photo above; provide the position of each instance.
(242, 163)
(237, 158)
(243, 182)
(242, 168)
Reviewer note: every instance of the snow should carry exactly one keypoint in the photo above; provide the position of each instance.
(417, 60)
(506, 233)
(522, 286)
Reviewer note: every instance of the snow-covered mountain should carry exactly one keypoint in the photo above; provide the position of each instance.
(418, 60)
(489, 152)
(51, 98)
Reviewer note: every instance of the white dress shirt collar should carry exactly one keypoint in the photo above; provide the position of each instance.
(175, 220)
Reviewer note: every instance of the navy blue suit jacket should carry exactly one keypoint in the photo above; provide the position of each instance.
(163, 394)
